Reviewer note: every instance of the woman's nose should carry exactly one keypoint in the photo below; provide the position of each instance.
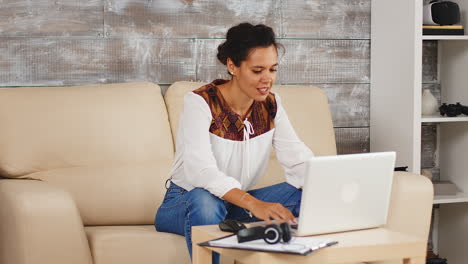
(267, 77)
(267, 80)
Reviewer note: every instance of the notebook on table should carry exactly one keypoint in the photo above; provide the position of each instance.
(297, 245)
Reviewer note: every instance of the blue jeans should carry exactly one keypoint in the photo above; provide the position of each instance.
(182, 209)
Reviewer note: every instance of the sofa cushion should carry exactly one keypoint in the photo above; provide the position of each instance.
(306, 107)
(309, 113)
(135, 244)
(114, 195)
(174, 98)
(45, 128)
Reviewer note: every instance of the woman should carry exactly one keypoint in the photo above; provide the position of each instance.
(226, 132)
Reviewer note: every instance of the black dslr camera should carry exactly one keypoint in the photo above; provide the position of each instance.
(452, 110)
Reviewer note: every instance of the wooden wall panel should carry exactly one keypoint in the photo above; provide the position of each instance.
(185, 18)
(428, 145)
(327, 19)
(352, 140)
(327, 43)
(39, 62)
(304, 61)
(429, 63)
(208, 66)
(39, 18)
(325, 61)
(349, 104)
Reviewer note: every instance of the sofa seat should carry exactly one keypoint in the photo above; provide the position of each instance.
(135, 244)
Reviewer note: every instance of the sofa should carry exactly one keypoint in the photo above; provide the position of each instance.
(83, 171)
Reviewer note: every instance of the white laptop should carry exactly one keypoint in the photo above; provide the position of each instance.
(346, 192)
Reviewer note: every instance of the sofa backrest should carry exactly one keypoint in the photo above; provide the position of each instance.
(109, 145)
(306, 106)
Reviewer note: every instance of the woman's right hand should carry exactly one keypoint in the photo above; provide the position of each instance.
(262, 210)
(267, 211)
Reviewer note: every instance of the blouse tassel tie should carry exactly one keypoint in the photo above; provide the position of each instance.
(245, 177)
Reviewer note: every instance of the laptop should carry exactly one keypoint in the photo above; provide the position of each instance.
(346, 192)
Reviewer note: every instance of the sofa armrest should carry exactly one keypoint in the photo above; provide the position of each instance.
(411, 204)
(39, 223)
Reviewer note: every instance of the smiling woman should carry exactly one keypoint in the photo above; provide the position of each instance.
(226, 133)
(251, 80)
(251, 56)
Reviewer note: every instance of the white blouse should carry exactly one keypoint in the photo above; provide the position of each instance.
(219, 164)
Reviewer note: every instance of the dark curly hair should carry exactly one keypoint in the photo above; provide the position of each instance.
(241, 39)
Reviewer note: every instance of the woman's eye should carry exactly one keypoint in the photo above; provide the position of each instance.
(256, 71)
(274, 70)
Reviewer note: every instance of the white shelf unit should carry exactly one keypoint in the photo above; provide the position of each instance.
(441, 119)
(395, 107)
(430, 37)
(447, 199)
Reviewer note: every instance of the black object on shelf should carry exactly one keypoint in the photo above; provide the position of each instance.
(405, 168)
(436, 261)
(441, 12)
(452, 110)
(444, 31)
(464, 110)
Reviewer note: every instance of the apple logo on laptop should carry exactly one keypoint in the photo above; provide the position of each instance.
(349, 192)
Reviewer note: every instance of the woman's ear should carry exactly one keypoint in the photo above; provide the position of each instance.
(231, 67)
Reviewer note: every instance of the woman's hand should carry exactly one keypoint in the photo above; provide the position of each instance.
(267, 211)
(260, 209)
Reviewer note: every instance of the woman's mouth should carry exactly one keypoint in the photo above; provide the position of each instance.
(263, 90)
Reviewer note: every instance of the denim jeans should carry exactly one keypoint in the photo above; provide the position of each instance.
(182, 209)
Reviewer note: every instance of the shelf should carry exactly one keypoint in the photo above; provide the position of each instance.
(445, 37)
(446, 199)
(441, 119)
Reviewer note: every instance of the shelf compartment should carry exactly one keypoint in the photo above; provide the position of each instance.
(447, 199)
(442, 119)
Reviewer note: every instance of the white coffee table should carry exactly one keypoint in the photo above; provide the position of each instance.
(368, 245)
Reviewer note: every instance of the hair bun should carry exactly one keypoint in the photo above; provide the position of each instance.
(236, 32)
(222, 54)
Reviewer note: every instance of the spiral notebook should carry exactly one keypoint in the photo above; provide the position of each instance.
(297, 245)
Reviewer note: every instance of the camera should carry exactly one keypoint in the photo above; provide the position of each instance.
(453, 110)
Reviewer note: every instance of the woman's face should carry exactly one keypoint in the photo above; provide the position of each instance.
(255, 75)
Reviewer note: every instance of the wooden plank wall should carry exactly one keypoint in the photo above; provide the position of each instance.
(68, 42)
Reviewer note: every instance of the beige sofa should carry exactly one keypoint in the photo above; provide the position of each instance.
(87, 166)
